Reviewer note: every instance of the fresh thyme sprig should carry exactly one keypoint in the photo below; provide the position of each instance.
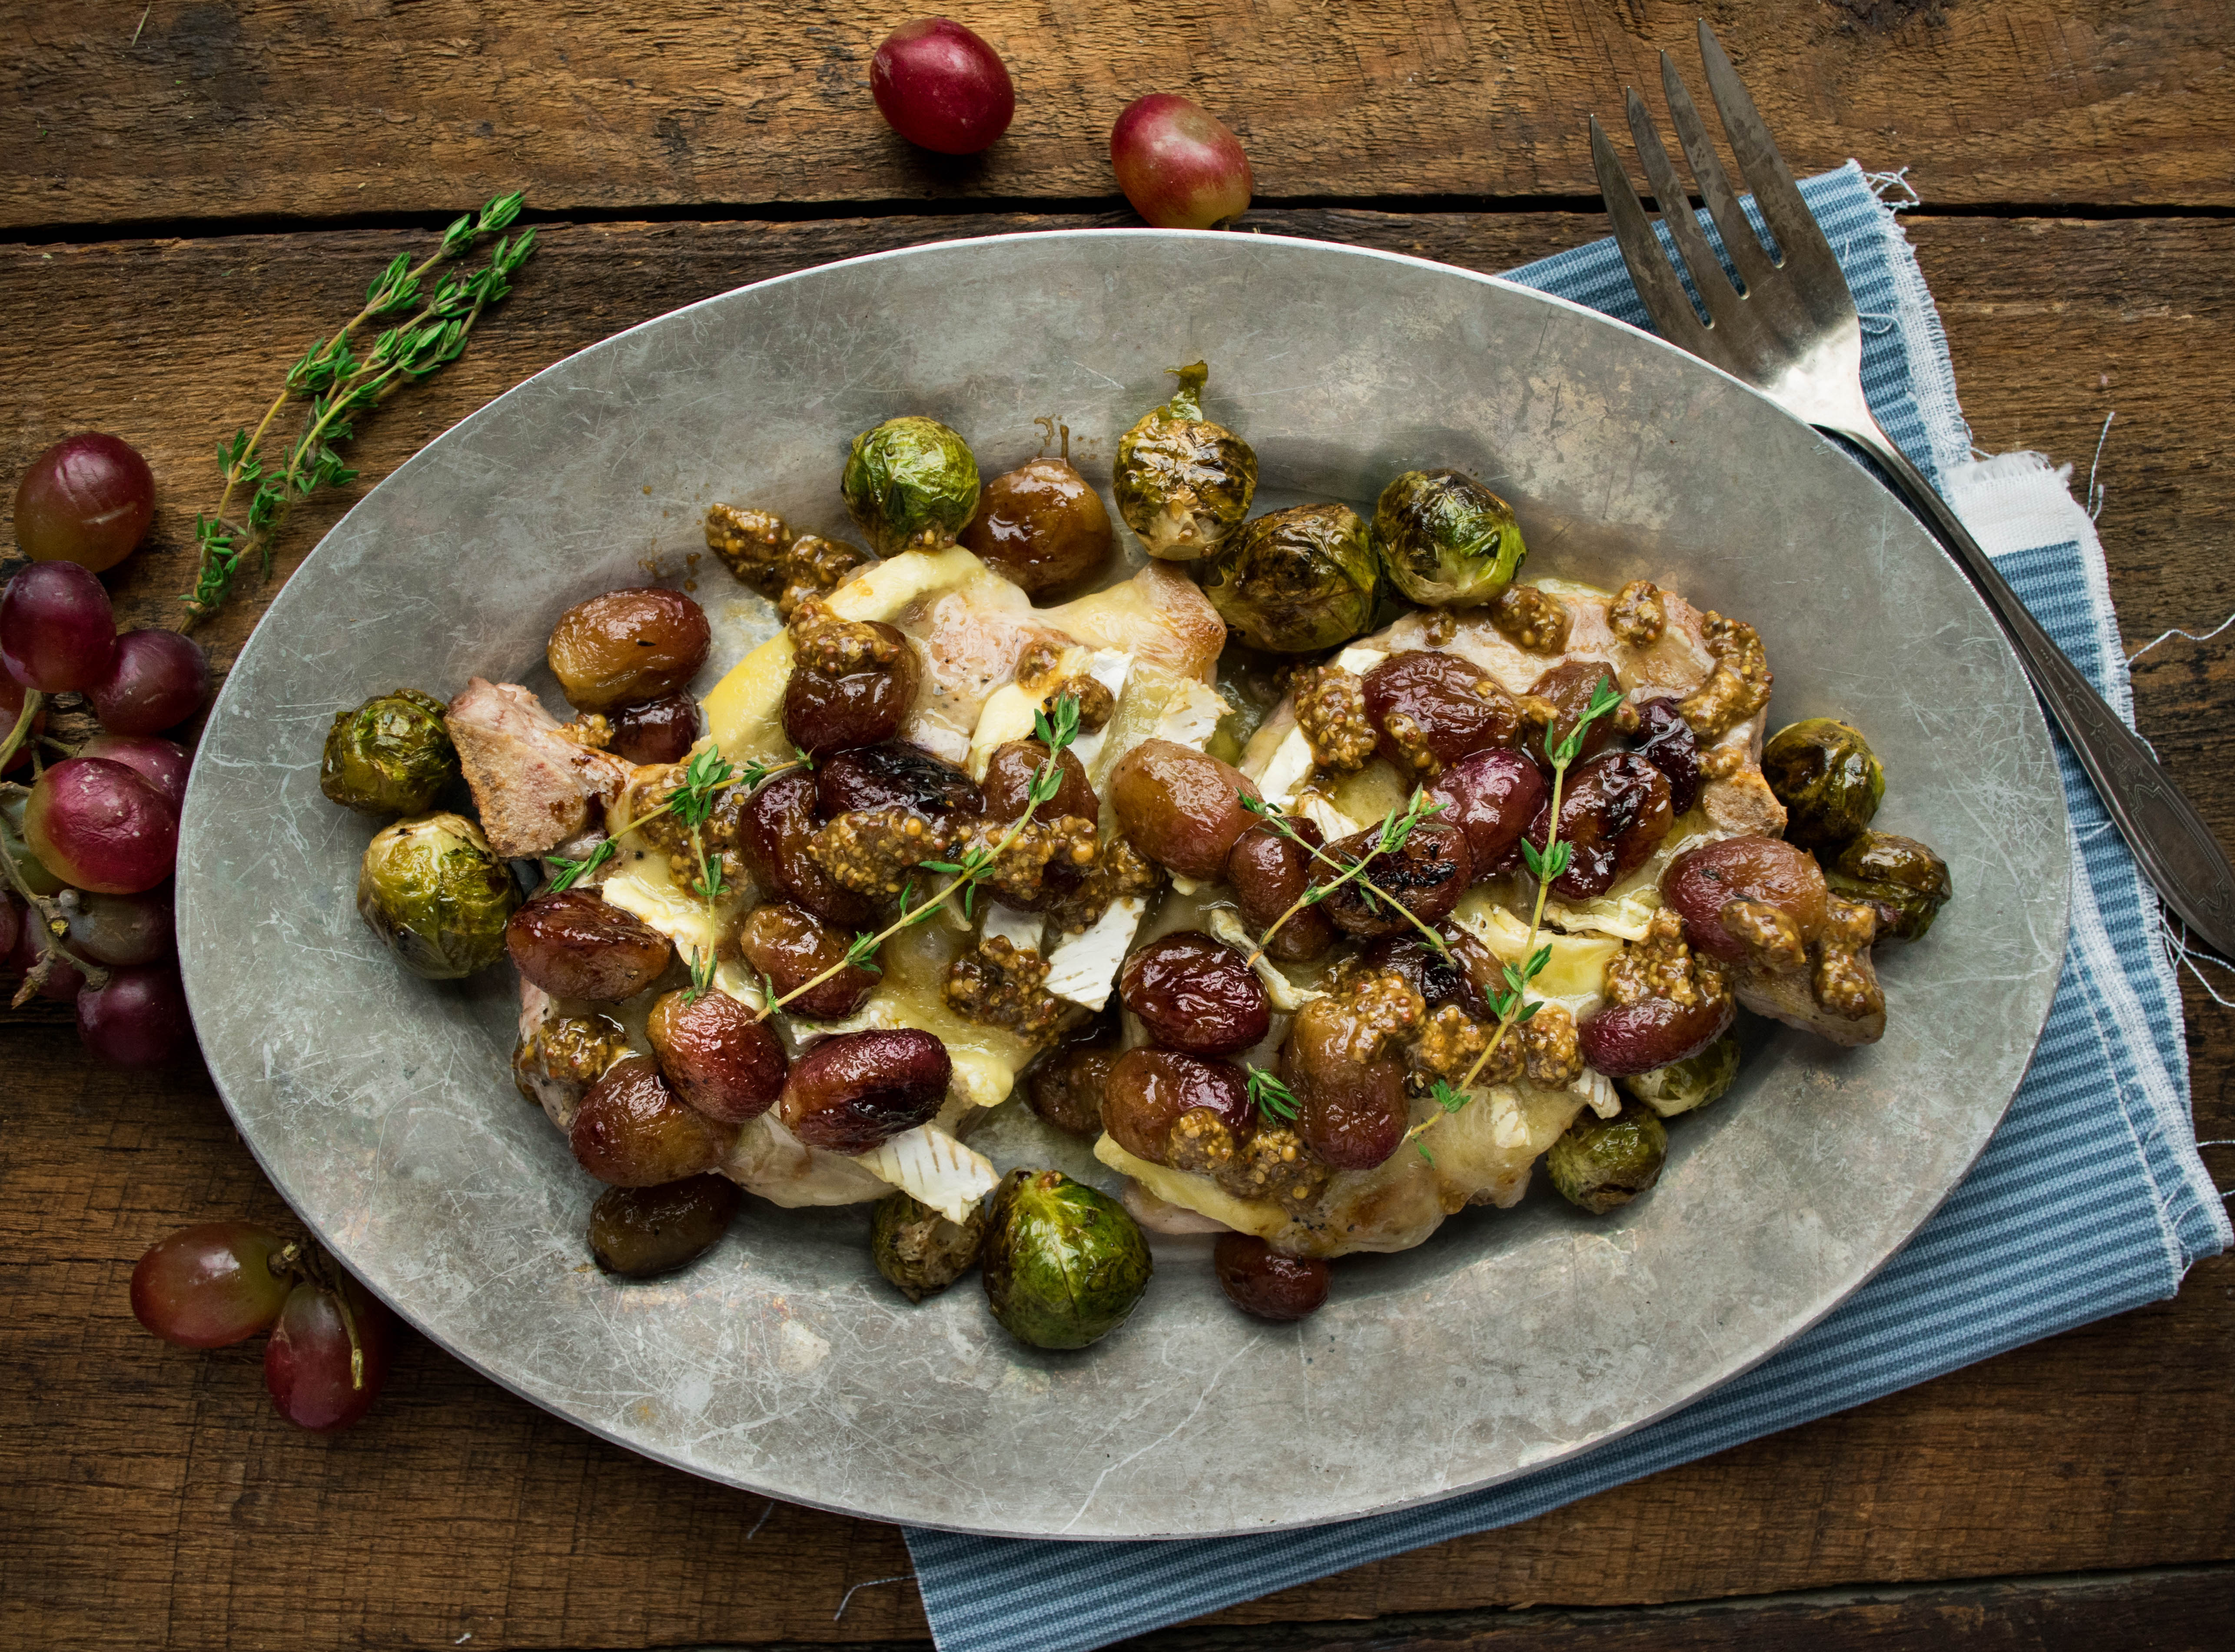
(1275, 1102)
(693, 804)
(339, 384)
(1511, 1002)
(1396, 831)
(759, 771)
(1056, 728)
(572, 872)
(1281, 823)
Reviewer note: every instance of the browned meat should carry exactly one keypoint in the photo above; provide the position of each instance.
(532, 787)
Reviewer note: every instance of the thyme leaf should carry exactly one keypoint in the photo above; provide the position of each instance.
(572, 872)
(1275, 1101)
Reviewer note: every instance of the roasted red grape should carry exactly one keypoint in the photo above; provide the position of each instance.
(1569, 687)
(1269, 871)
(1426, 874)
(640, 1233)
(1457, 978)
(57, 629)
(940, 86)
(721, 1060)
(826, 711)
(87, 500)
(11, 708)
(775, 827)
(1259, 1280)
(120, 928)
(791, 947)
(576, 944)
(1665, 741)
(894, 776)
(1042, 526)
(1352, 1111)
(1196, 995)
(1614, 812)
(661, 730)
(632, 1131)
(163, 763)
(1431, 708)
(102, 827)
(1701, 882)
(1009, 776)
(624, 647)
(1491, 796)
(1181, 808)
(1067, 1088)
(328, 1355)
(1620, 1040)
(1178, 164)
(1150, 1089)
(853, 1091)
(212, 1285)
(159, 681)
(138, 1020)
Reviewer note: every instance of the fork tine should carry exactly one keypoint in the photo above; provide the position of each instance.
(1665, 301)
(1799, 236)
(1714, 287)
(1739, 240)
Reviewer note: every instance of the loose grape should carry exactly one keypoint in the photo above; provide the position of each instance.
(159, 680)
(212, 1285)
(328, 1355)
(11, 707)
(160, 762)
(28, 866)
(57, 630)
(87, 500)
(139, 1020)
(1180, 166)
(940, 86)
(63, 981)
(119, 929)
(102, 827)
(1259, 1280)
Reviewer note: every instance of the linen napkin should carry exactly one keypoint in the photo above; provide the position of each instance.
(2089, 1200)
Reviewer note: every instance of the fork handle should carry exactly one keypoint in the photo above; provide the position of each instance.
(2169, 838)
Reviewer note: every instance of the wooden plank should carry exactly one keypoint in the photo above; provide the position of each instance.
(323, 108)
(154, 1500)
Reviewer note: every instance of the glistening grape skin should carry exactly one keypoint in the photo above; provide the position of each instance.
(308, 1370)
(86, 499)
(212, 1285)
(57, 630)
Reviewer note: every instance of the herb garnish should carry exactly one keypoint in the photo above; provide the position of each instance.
(572, 872)
(1396, 831)
(1056, 727)
(1545, 865)
(339, 384)
(1276, 1102)
(1372, 894)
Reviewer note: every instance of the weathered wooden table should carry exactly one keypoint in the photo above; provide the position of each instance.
(190, 196)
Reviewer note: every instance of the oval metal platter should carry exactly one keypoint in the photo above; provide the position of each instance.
(382, 1107)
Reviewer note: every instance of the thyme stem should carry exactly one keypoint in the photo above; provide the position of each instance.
(1396, 831)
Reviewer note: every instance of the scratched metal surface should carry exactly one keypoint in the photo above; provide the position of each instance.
(382, 1107)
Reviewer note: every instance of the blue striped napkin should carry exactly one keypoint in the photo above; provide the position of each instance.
(2089, 1200)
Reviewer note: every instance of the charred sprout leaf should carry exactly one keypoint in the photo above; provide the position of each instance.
(1445, 539)
(1603, 1162)
(391, 755)
(918, 1249)
(1827, 778)
(1683, 1085)
(432, 889)
(1183, 484)
(1064, 1264)
(1297, 581)
(911, 485)
(1904, 881)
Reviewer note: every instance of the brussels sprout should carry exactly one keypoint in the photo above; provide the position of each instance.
(1602, 1162)
(1827, 778)
(1064, 1264)
(1445, 540)
(1903, 880)
(1693, 1082)
(918, 1249)
(910, 485)
(1183, 484)
(1296, 581)
(432, 889)
(392, 756)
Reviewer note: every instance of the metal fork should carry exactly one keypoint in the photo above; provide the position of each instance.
(1793, 333)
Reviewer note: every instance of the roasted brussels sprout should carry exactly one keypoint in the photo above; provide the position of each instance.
(1827, 778)
(434, 890)
(391, 755)
(1296, 581)
(1905, 883)
(918, 1249)
(911, 485)
(1445, 540)
(1183, 484)
(1682, 1086)
(1602, 1162)
(1064, 1265)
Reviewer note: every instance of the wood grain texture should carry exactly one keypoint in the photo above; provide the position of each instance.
(334, 108)
(155, 1500)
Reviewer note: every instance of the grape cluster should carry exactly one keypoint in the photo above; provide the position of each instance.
(90, 839)
(221, 1282)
